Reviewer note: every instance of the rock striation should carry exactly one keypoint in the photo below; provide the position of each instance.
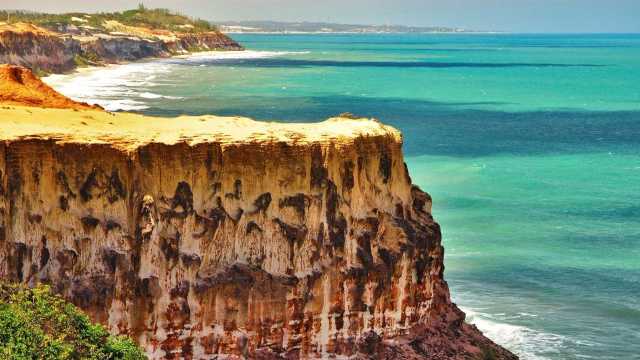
(37, 48)
(209, 237)
(51, 51)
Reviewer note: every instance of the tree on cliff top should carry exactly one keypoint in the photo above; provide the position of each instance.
(36, 324)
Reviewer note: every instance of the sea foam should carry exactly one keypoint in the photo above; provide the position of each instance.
(128, 87)
(527, 343)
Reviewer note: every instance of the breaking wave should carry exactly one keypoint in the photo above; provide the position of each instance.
(129, 87)
(527, 343)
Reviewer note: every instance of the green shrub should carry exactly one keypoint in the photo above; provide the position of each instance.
(36, 324)
(143, 17)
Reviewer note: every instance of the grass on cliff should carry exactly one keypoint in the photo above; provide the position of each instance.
(157, 19)
(36, 324)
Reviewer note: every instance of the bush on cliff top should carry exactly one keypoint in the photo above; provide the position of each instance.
(162, 19)
(36, 324)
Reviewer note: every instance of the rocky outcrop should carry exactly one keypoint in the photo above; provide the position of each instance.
(47, 51)
(208, 237)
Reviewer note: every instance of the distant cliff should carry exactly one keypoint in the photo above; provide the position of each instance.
(205, 236)
(62, 44)
(37, 48)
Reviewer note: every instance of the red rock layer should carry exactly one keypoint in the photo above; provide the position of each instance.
(18, 86)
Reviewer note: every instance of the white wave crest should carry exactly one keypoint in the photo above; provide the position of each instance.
(239, 55)
(119, 105)
(149, 95)
(126, 87)
(527, 343)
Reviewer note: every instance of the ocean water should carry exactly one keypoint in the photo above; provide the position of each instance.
(529, 145)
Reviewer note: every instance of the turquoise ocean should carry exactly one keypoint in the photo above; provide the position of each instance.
(529, 145)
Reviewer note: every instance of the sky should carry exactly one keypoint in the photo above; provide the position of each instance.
(488, 15)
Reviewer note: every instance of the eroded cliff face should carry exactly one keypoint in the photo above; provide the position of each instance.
(206, 236)
(112, 49)
(202, 42)
(44, 50)
(36, 48)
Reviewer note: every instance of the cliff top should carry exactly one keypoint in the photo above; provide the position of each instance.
(153, 20)
(22, 27)
(19, 86)
(127, 132)
(34, 110)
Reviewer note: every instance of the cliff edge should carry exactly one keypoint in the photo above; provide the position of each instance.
(205, 237)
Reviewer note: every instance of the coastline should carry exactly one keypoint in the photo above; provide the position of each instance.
(486, 166)
(107, 85)
(48, 49)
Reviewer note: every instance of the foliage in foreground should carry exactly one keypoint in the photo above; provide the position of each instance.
(36, 324)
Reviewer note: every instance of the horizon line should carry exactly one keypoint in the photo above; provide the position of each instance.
(463, 30)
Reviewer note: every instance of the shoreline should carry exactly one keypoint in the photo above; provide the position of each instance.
(62, 50)
(80, 69)
(203, 54)
(107, 85)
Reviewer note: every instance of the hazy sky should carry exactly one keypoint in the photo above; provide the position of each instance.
(506, 15)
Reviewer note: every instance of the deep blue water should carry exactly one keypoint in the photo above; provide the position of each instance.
(529, 145)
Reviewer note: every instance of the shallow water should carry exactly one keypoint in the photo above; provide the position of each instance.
(529, 145)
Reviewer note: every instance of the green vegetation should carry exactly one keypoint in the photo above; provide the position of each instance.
(35, 324)
(488, 353)
(157, 19)
(39, 72)
(86, 58)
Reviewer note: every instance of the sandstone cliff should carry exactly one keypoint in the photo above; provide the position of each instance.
(37, 48)
(49, 51)
(208, 237)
